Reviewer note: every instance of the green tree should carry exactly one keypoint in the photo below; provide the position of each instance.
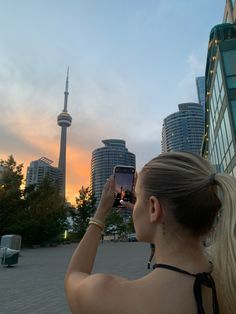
(85, 208)
(45, 217)
(130, 225)
(11, 200)
(115, 222)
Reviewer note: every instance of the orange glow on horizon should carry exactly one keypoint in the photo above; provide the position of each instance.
(44, 141)
(78, 166)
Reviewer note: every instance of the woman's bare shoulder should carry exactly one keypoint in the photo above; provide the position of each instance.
(101, 293)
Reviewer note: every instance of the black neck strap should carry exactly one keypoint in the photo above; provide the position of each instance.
(201, 279)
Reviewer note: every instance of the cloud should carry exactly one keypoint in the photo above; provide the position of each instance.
(10, 142)
(101, 108)
(187, 85)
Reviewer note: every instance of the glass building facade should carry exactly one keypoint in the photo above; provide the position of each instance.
(184, 130)
(230, 11)
(220, 119)
(200, 82)
(104, 159)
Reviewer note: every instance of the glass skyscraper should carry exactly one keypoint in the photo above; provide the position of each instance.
(230, 13)
(104, 159)
(200, 82)
(220, 126)
(184, 130)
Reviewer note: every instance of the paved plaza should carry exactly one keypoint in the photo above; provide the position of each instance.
(35, 285)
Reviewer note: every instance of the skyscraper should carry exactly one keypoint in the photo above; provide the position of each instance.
(41, 168)
(229, 13)
(184, 130)
(200, 82)
(64, 121)
(220, 126)
(104, 159)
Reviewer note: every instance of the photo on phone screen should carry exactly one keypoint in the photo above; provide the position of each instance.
(124, 184)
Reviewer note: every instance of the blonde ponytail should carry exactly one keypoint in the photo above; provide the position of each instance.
(224, 247)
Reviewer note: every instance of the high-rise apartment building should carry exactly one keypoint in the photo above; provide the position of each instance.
(184, 130)
(220, 126)
(230, 11)
(104, 159)
(41, 168)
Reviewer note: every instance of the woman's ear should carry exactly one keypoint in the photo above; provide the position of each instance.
(155, 209)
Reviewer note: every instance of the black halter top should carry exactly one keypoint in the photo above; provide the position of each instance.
(201, 279)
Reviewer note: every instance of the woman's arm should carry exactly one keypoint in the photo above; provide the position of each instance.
(81, 263)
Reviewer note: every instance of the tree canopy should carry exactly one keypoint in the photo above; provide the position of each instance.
(85, 208)
(37, 213)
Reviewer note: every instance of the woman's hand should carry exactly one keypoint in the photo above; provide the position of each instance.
(127, 204)
(107, 200)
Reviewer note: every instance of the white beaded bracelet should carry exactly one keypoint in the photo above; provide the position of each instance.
(97, 223)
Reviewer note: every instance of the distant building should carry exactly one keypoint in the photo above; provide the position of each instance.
(104, 159)
(200, 82)
(41, 168)
(1, 174)
(184, 130)
(219, 144)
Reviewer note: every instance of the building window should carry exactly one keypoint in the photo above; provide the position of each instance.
(224, 134)
(233, 103)
(231, 150)
(229, 61)
(230, 67)
(231, 81)
(219, 75)
(228, 126)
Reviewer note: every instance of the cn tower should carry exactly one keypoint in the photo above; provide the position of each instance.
(64, 121)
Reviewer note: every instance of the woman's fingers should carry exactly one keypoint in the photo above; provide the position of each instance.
(128, 205)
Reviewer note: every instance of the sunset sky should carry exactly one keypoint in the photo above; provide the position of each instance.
(131, 63)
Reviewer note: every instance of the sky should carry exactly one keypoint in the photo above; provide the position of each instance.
(131, 63)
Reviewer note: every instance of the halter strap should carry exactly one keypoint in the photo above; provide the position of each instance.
(204, 279)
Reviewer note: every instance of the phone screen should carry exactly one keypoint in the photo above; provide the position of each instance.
(124, 184)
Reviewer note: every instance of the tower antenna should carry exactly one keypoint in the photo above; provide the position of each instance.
(64, 120)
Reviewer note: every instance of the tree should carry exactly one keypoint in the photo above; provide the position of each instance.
(85, 208)
(130, 225)
(45, 216)
(11, 201)
(115, 222)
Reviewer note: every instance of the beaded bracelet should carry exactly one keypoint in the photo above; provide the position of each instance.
(97, 223)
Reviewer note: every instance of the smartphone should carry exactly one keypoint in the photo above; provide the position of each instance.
(124, 184)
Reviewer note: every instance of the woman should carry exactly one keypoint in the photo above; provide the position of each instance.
(180, 200)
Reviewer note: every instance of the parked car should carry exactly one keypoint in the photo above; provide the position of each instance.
(132, 237)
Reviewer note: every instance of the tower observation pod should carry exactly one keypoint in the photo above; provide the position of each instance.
(64, 120)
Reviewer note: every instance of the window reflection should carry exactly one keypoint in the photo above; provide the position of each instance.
(233, 103)
(229, 61)
(219, 74)
(227, 125)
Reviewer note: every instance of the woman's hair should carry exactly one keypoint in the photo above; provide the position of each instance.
(201, 201)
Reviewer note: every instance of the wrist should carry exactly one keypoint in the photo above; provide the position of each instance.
(100, 216)
(98, 223)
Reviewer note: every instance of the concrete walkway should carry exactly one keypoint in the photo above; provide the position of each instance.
(35, 285)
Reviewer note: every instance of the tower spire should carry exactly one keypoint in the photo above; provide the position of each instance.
(66, 93)
(64, 121)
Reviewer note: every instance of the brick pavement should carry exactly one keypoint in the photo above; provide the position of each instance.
(35, 285)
